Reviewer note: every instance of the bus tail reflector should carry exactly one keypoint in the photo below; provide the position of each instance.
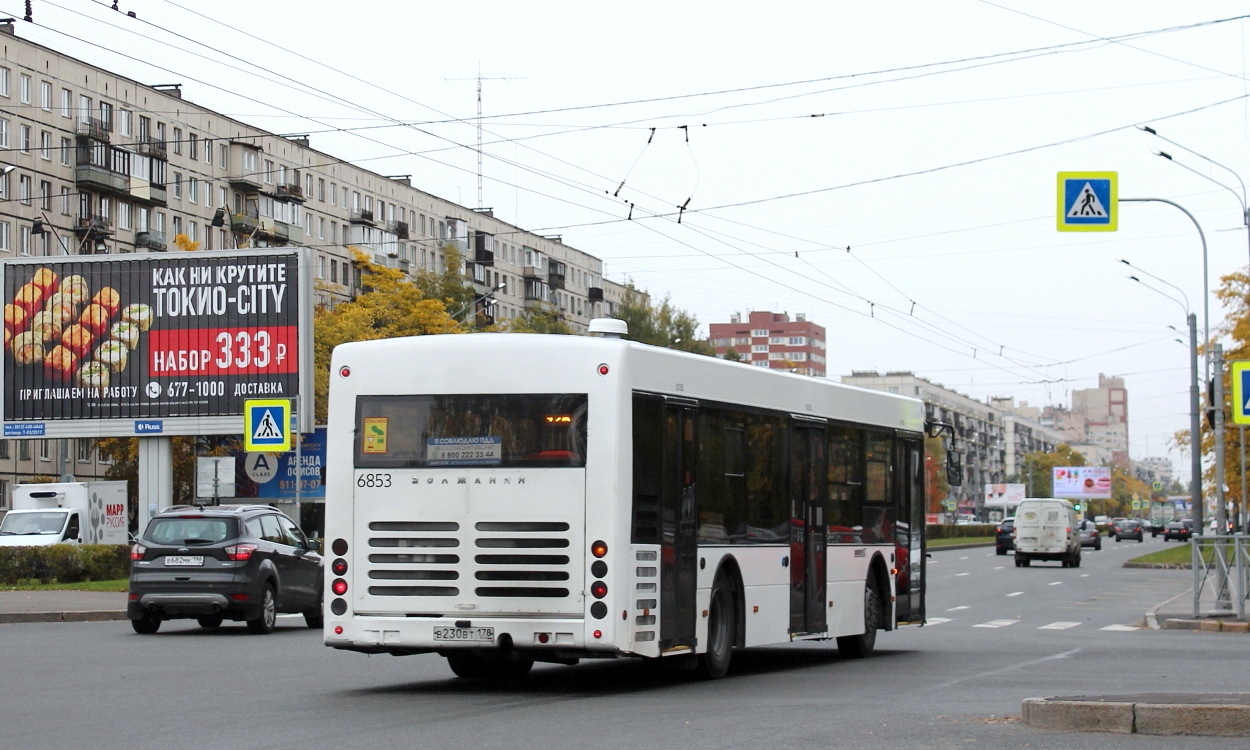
(338, 630)
(598, 634)
(339, 587)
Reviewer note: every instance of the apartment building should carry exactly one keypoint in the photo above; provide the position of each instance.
(92, 162)
(768, 339)
(95, 162)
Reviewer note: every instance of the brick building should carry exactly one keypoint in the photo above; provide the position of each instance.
(768, 339)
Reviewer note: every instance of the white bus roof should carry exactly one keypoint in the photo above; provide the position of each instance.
(544, 363)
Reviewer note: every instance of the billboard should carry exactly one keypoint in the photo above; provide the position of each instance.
(152, 344)
(273, 476)
(1004, 495)
(1082, 482)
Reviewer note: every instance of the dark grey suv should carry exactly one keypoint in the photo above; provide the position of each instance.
(216, 563)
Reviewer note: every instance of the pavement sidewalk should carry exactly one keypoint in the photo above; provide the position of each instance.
(62, 606)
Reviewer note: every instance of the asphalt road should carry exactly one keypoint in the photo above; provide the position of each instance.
(1006, 633)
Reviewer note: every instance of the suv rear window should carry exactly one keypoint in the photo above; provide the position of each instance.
(511, 430)
(190, 531)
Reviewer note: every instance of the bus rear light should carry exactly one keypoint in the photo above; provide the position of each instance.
(338, 630)
(339, 567)
(603, 369)
(339, 587)
(240, 552)
(598, 634)
(598, 589)
(339, 547)
(893, 571)
(598, 610)
(338, 606)
(599, 548)
(136, 551)
(345, 371)
(543, 637)
(599, 569)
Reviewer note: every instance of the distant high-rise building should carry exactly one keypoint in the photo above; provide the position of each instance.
(1104, 412)
(768, 339)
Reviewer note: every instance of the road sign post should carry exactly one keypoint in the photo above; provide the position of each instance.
(1087, 202)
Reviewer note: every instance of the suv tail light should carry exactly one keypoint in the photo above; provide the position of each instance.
(136, 551)
(240, 551)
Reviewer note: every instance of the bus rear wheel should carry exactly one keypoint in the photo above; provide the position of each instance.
(714, 663)
(470, 666)
(861, 646)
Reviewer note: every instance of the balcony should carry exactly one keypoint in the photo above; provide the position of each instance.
(95, 129)
(555, 280)
(153, 148)
(291, 191)
(94, 177)
(93, 225)
(152, 240)
(400, 229)
(362, 216)
(483, 257)
(595, 294)
(245, 223)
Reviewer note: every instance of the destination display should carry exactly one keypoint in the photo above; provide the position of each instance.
(149, 337)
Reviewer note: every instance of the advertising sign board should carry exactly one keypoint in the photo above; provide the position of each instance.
(168, 344)
(272, 476)
(1004, 495)
(1082, 482)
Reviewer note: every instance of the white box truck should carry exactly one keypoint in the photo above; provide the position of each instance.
(66, 512)
(1046, 529)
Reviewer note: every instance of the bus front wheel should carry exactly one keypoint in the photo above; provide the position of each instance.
(860, 646)
(714, 663)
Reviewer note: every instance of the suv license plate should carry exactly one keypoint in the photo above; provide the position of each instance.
(465, 634)
(172, 561)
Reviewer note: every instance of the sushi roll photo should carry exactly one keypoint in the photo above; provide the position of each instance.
(75, 289)
(78, 339)
(46, 280)
(139, 314)
(15, 318)
(27, 349)
(95, 319)
(94, 376)
(108, 298)
(127, 333)
(113, 354)
(29, 298)
(61, 362)
(46, 327)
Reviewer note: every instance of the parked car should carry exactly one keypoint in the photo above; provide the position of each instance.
(1130, 529)
(1004, 540)
(1090, 537)
(1181, 531)
(1114, 526)
(218, 563)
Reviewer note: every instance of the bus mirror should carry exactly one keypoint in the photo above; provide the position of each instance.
(954, 468)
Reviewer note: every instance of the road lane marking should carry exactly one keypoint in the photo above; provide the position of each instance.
(936, 620)
(964, 557)
(1120, 628)
(960, 574)
(1004, 670)
(1054, 583)
(999, 567)
(996, 624)
(1015, 593)
(956, 609)
(1085, 575)
(1059, 626)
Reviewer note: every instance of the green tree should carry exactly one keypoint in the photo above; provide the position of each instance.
(661, 325)
(732, 355)
(539, 321)
(448, 285)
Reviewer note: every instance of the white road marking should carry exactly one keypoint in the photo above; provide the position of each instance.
(1005, 670)
(1120, 628)
(292, 615)
(1055, 583)
(999, 567)
(1085, 575)
(1015, 593)
(960, 574)
(964, 558)
(1059, 626)
(937, 620)
(996, 624)
(956, 609)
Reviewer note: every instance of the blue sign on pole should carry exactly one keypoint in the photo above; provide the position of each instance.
(1087, 202)
(273, 476)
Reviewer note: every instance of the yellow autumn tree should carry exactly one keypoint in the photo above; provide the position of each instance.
(183, 242)
(388, 306)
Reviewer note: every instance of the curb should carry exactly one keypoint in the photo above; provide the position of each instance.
(1158, 566)
(1208, 715)
(97, 615)
(1208, 626)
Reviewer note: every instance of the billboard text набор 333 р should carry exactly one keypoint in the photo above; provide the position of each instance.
(184, 338)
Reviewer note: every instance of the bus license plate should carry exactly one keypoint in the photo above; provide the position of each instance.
(183, 560)
(486, 635)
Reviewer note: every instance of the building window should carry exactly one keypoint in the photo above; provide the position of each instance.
(45, 99)
(84, 107)
(208, 151)
(4, 245)
(65, 204)
(334, 192)
(193, 232)
(334, 231)
(321, 266)
(4, 451)
(106, 115)
(177, 144)
(4, 82)
(193, 190)
(4, 133)
(193, 147)
(224, 161)
(321, 189)
(67, 103)
(45, 145)
(177, 184)
(759, 332)
(25, 141)
(268, 172)
(45, 450)
(85, 446)
(25, 88)
(177, 226)
(759, 347)
(160, 132)
(123, 215)
(45, 195)
(67, 151)
(23, 189)
(321, 228)
(145, 128)
(221, 197)
(23, 450)
(334, 271)
(123, 121)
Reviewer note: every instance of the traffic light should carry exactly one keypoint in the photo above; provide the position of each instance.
(1076, 507)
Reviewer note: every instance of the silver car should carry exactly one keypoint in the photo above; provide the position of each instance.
(1089, 534)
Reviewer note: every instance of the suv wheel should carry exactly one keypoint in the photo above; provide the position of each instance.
(316, 617)
(146, 625)
(209, 621)
(268, 613)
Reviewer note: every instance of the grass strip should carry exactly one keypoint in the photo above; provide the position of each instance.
(939, 543)
(120, 584)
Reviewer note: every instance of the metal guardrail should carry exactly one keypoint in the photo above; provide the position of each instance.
(1221, 565)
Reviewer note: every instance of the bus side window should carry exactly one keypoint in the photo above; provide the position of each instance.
(648, 464)
(846, 486)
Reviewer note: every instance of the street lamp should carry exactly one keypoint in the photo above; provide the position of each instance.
(1195, 435)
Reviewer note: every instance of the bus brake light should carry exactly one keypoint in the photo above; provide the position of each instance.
(339, 587)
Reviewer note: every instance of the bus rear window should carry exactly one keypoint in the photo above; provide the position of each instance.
(513, 430)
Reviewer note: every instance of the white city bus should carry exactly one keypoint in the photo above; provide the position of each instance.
(502, 499)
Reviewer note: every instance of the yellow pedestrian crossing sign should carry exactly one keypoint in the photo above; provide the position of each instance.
(1241, 391)
(267, 425)
(1088, 202)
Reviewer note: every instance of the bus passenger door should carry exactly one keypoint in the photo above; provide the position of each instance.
(909, 531)
(679, 539)
(808, 528)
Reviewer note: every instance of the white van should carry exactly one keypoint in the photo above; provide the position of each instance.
(1046, 529)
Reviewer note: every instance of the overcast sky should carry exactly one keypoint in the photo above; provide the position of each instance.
(925, 136)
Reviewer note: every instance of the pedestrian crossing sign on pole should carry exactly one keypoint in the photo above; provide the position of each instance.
(1241, 391)
(1088, 202)
(267, 425)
